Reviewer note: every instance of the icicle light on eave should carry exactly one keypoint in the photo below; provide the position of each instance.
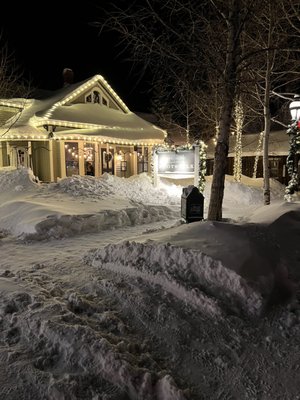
(90, 139)
(40, 122)
(15, 136)
(82, 89)
(11, 105)
(18, 105)
(109, 140)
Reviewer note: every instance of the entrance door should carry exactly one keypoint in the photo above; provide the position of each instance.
(107, 159)
(22, 157)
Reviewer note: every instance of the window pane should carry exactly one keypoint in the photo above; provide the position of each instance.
(89, 158)
(96, 96)
(71, 155)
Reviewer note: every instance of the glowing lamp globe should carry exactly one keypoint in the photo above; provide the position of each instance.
(295, 108)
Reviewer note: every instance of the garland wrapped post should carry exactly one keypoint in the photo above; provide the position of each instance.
(202, 166)
(165, 146)
(258, 154)
(291, 162)
(239, 120)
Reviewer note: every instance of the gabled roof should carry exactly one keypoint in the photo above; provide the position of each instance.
(50, 101)
(58, 110)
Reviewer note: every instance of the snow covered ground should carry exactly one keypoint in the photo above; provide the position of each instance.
(105, 294)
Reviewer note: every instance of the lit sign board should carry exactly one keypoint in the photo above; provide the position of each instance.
(176, 162)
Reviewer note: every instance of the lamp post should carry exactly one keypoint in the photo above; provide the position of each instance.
(291, 161)
(295, 108)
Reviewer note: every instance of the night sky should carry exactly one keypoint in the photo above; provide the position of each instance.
(46, 37)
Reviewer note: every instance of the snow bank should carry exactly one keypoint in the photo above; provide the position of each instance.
(79, 205)
(62, 226)
(181, 272)
(138, 188)
(17, 180)
(84, 204)
(247, 192)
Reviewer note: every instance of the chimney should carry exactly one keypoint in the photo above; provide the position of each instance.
(68, 76)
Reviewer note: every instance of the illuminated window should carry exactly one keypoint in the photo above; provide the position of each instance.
(93, 97)
(96, 97)
(89, 158)
(142, 157)
(72, 158)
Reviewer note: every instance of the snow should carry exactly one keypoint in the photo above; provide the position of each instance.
(105, 293)
(105, 122)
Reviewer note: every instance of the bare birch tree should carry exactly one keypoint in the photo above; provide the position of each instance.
(11, 83)
(239, 123)
(177, 110)
(275, 66)
(233, 17)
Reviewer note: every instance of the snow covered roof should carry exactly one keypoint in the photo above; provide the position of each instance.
(89, 113)
(99, 120)
(278, 145)
(117, 135)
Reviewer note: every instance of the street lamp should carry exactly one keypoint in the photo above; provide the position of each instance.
(291, 161)
(295, 108)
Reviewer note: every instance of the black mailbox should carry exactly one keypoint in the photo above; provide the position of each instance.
(192, 202)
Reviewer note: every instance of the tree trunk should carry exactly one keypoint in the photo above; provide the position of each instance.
(267, 116)
(230, 79)
(266, 169)
(239, 119)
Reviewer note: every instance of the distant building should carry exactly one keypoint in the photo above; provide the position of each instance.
(252, 148)
(78, 127)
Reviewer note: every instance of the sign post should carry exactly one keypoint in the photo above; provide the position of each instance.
(196, 165)
(155, 169)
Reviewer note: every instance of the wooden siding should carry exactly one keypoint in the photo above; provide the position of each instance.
(277, 167)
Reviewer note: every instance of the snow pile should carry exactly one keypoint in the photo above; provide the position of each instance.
(247, 192)
(137, 188)
(42, 211)
(21, 218)
(87, 186)
(17, 180)
(181, 272)
(61, 226)
(84, 204)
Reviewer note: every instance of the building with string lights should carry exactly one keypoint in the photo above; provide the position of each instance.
(81, 129)
(246, 157)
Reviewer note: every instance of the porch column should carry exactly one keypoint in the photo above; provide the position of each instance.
(115, 160)
(97, 156)
(134, 163)
(81, 159)
(1, 154)
(13, 159)
(62, 159)
(51, 162)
